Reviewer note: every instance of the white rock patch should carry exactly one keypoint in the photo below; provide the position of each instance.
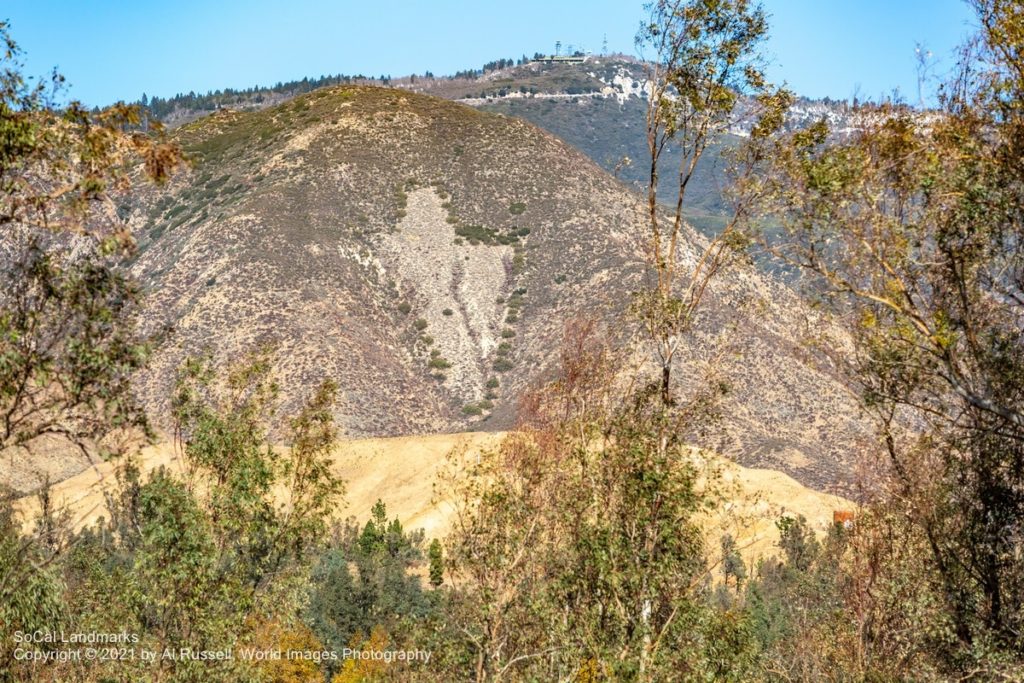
(461, 278)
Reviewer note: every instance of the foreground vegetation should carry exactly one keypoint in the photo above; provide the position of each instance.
(577, 551)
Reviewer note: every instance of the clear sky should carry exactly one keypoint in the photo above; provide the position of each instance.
(113, 49)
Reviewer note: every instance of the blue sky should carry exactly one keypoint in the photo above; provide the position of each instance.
(113, 49)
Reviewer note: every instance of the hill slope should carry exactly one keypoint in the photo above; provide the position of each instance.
(597, 106)
(419, 251)
(600, 107)
(404, 473)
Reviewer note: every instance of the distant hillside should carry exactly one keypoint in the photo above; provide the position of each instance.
(612, 133)
(597, 106)
(184, 107)
(426, 255)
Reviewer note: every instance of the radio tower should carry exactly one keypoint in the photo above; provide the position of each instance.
(604, 45)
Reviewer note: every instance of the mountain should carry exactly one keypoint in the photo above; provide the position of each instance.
(426, 255)
(597, 105)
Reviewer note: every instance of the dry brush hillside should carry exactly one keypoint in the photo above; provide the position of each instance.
(426, 256)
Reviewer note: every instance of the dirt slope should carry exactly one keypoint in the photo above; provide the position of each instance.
(403, 472)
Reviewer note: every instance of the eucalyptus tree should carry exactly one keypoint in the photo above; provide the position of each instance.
(911, 230)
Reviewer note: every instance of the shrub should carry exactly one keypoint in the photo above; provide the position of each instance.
(439, 363)
(368, 568)
(216, 184)
(447, 311)
(476, 233)
(518, 262)
(404, 308)
(471, 409)
(516, 208)
(502, 364)
(492, 383)
(508, 333)
(420, 324)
